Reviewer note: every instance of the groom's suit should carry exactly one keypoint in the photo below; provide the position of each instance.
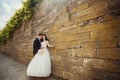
(36, 45)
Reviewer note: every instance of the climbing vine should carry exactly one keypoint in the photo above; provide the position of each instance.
(21, 15)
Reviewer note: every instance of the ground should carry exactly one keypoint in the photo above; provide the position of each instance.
(12, 70)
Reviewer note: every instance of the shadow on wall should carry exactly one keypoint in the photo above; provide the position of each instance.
(114, 8)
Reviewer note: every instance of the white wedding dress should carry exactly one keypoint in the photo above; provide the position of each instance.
(40, 65)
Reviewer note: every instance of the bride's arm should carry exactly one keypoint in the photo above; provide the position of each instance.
(49, 44)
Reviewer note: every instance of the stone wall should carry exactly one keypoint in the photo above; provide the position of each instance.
(86, 35)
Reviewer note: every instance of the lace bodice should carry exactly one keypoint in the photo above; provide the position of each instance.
(44, 44)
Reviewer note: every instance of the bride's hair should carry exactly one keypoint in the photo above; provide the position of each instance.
(46, 38)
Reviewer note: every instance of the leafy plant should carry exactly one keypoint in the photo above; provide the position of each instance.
(21, 15)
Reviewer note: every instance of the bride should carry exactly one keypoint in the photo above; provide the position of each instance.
(40, 65)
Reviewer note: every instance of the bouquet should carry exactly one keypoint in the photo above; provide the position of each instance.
(40, 51)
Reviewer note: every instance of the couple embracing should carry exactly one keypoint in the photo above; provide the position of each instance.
(40, 65)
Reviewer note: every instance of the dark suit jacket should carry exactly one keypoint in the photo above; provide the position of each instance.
(36, 45)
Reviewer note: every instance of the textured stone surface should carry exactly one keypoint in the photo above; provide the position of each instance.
(86, 35)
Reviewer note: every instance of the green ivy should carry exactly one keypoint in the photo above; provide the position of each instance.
(21, 15)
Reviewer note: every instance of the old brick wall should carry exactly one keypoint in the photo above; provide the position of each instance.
(86, 35)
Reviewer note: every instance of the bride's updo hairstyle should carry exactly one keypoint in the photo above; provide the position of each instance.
(46, 38)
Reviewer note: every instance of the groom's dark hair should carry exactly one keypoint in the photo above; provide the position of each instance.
(40, 34)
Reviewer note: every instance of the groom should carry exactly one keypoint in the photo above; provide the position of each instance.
(37, 44)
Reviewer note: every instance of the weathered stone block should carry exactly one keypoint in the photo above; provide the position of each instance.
(74, 52)
(86, 52)
(109, 53)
